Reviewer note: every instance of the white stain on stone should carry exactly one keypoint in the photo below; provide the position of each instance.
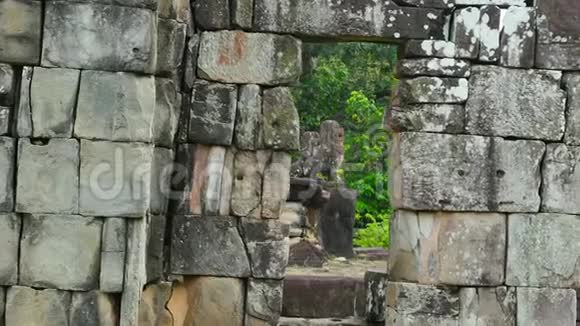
(489, 39)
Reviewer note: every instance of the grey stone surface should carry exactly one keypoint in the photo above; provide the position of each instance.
(560, 179)
(518, 37)
(264, 299)
(394, 318)
(434, 90)
(190, 61)
(351, 19)
(249, 58)
(212, 14)
(433, 67)
(465, 249)
(113, 248)
(115, 106)
(376, 295)
(490, 29)
(546, 307)
(440, 4)
(430, 48)
(445, 118)
(242, 13)
(280, 121)
(174, 9)
(115, 178)
(150, 4)
(213, 113)
(60, 251)
(557, 56)
(410, 298)
(135, 271)
(276, 185)
(535, 108)
(268, 247)
(6, 120)
(247, 188)
(20, 31)
(93, 309)
(521, 3)
(571, 84)
(167, 110)
(465, 173)
(155, 247)
(7, 84)
(48, 176)
(23, 114)
(208, 246)
(97, 36)
(170, 45)
(26, 306)
(536, 255)
(488, 306)
(7, 171)
(161, 170)
(10, 225)
(248, 118)
(53, 97)
(465, 32)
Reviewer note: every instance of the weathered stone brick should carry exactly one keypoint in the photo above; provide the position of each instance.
(20, 31)
(94, 309)
(280, 121)
(7, 170)
(264, 299)
(167, 110)
(153, 309)
(446, 118)
(488, 306)
(23, 114)
(170, 45)
(174, 9)
(242, 13)
(546, 307)
(60, 251)
(440, 4)
(48, 176)
(465, 173)
(7, 85)
(115, 178)
(407, 298)
(571, 83)
(208, 246)
(518, 37)
(135, 271)
(491, 2)
(113, 248)
(448, 248)
(433, 67)
(247, 188)
(394, 318)
(161, 170)
(248, 118)
(115, 106)
(155, 247)
(10, 225)
(108, 37)
(213, 113)
(276, 185)
(26, 306)
(535, 109)
(249, 58)
(535, 256)
(212, 14)
(268, 247)
(490, 28)
(434, 90)
(190, 61)
(430, 48)
(376, 295)
(6, 120)
(465, 32)
(559, 189)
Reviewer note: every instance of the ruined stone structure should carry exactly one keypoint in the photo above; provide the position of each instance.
(99, 97)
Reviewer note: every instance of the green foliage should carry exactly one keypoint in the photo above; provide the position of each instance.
(351, 83)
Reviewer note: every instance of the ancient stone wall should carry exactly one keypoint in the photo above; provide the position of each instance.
(144, 158)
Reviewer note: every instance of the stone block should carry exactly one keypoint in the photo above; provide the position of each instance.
(521, 3)
(264, 299)
(410, 298)
(350, 20)
(167, 110)
(558, 56)
(115, 178)
(249, 58)
(94, 309)
(535, 108)
(135, 271)
(5, 120)
(430, 48)
(535, 256)
(208, 246)
(153, 309)
(60, 251)
(488, 306)
(170, 45)
(559, 175)
(243, 13)
(444, 118)
(490, 29)
(20, 31)
(10, 225)
(198, 182)
(433, 67)
(280, 121)
(465, 173)
(268, 247)
(213, 113)
(161, 171)
(571, 84)
(190, 61)
(439, 4)
(276, 185)
(518, 37)
(395, 318)
(247, 188)
(48, 176)
(113, 248)
(465, 32)
(546, 307)
(7, 84)
(249, 118)
(465, 249)
(26, 306)
(115, 106)
(212, 14)
(155, 247)
(434, 90)
(23, 114)
(174, 9)
(7, 171)
(376, 295)
(110, 38)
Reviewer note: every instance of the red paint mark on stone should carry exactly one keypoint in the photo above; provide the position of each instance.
(235, 51)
